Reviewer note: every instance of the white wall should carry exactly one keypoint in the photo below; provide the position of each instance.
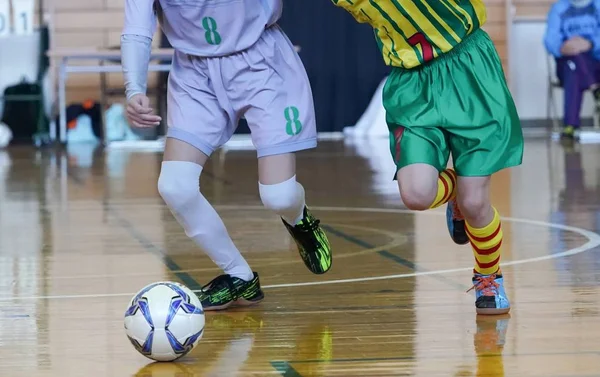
(21, 61)
(19, 57)
(529, 72)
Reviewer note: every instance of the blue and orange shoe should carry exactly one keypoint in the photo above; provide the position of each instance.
(490, 297)
(456, 223)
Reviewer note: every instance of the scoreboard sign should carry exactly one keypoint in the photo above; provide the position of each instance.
(16, 17)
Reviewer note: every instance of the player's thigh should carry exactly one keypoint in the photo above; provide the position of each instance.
(473, 195)
(277, 97)
(487, 146)
(195, 113)
(419, 153)
(178, 150)
(276, 168)
(479, 112)
(419, 145)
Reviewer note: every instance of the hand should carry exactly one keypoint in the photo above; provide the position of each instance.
(569, 48)
(575, 46)
(582, 44)
(140, 114)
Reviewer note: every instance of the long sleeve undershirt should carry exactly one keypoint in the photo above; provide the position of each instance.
(135, 56)
(136, 44)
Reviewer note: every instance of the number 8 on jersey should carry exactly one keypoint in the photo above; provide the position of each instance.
(211, 34)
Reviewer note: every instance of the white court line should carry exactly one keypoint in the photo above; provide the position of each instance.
(593, 241)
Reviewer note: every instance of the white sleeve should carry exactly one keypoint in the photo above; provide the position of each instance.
(135, 56)
(136, 44)
(140, 18)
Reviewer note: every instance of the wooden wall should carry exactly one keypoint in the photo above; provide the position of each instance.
(532, 9)
(497, 25)
(87, 23)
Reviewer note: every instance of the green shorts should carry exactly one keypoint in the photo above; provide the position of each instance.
(457, 103)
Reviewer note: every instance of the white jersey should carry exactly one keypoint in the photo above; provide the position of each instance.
(205, 28)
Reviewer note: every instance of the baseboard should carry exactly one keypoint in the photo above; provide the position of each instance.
(547, 123)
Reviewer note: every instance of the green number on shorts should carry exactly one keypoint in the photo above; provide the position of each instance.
(293, 126)
(212, 35)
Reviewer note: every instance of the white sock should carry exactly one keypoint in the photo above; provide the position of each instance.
(285, 199)
(179, 186)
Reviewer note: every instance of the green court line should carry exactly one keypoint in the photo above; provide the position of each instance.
(389, 255)
(150, 247)
(285, 369)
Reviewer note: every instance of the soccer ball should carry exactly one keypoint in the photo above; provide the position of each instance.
(164, 321)
(5, 135)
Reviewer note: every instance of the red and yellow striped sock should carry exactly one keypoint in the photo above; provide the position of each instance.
(446, 188)
(486, 243)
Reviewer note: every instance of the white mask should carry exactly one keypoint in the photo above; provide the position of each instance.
(580, 3)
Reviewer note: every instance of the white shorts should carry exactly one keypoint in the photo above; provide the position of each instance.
(266, 84)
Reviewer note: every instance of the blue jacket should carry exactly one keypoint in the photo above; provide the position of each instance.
(566, 21)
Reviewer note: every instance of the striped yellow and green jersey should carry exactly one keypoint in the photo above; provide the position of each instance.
(411, 32)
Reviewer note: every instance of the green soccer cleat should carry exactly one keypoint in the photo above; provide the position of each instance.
(225, 291)
(312, 243)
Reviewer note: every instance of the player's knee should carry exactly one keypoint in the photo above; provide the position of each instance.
(418, 185)
(176, 189)
(281, 197)
(416, 198)
(475, 205)
(473, 197)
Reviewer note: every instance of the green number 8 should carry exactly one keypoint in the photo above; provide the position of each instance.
(212, 35)
(293, 126)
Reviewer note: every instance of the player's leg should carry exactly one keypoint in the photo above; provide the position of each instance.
(278, 188)
(421, 155)
(280, 114)
(426, 186)
(188, 147)
(570, 73)
(485, 137)
(421, 150)
(281, 193)
(484, 230)
(587, 69)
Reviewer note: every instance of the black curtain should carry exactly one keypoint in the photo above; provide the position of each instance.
(163, 78)
(341, 57)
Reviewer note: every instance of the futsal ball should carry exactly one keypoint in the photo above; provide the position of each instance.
(164, 321)
(5, 135)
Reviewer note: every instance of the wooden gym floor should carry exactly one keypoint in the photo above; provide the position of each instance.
(81, 231)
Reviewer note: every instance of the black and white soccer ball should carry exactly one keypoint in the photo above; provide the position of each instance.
(164, 321)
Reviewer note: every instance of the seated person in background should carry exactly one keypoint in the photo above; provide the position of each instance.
(573, 38)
